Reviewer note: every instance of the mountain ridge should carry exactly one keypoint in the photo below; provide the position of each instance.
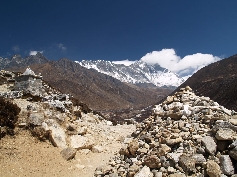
(136, 73)
(217, 81)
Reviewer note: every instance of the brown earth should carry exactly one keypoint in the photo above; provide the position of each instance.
(24, 155)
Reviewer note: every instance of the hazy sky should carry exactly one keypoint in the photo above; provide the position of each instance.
(120, 29)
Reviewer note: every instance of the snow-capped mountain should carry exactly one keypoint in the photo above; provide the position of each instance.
(138, 72)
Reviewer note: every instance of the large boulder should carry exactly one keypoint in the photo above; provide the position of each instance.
(57, 134)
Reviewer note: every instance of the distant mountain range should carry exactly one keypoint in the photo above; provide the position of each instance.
(18, 61)
(107, 85)
(137, 73)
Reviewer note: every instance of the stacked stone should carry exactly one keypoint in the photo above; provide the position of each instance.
(187, 135)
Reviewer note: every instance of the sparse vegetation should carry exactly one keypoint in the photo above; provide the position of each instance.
(39, 132)
(31, 97)
(2, 80)
(77, 113)
(83, 106)
(8, 116)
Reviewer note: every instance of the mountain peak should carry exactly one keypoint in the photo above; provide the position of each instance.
(138, 72)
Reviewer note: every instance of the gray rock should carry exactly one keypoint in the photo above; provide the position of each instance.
(36, 119)
(233, 153)
(57, 135)
(209, 144)
(199, 158)
(223, 124)
(68, 153)
(226, 165)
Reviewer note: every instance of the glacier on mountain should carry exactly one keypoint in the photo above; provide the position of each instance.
(138, 72)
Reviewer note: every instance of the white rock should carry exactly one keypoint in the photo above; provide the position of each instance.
(97, 149)
(80, 142)
(57, 136)
(109, 123)
(144, 172)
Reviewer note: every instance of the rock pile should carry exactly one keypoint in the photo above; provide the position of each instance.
(187, 135)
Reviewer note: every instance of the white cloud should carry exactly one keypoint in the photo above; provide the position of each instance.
(168, 58)
(62, 47)
(34, 52)
(125, 62)
(16, 48)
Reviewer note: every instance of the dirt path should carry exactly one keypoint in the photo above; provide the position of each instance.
(24, 155)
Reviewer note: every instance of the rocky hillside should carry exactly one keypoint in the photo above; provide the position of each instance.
(136, 73)
(217, 81)
(99, 91)
(45, 132)
(187, 135)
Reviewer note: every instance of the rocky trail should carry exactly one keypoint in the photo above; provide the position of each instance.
(25, 155)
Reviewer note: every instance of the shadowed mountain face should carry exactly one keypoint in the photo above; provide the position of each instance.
(97, 90)
(217, 81)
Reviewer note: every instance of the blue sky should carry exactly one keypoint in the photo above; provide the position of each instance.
(117, 29)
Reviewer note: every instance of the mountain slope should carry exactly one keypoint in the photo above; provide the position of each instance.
(217, 81)
(99, 91)
(136, 73)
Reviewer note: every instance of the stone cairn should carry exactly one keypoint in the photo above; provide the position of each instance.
(187, 135)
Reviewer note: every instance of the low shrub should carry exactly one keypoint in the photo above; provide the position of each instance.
(84, 107)
(8, 116)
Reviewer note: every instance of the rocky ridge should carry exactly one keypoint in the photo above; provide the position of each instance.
(217, 81)
(187, 135)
